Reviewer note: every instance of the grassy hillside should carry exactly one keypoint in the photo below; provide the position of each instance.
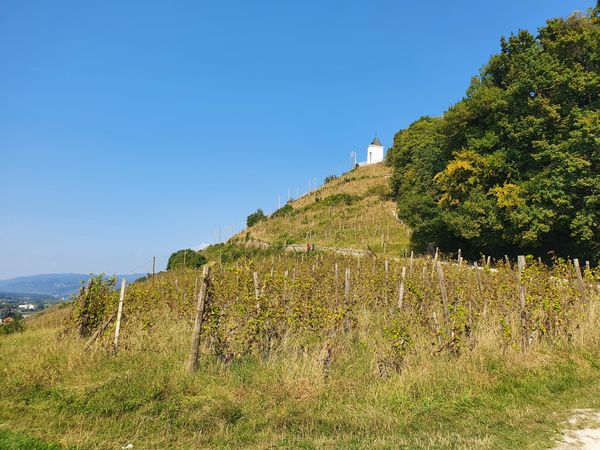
(351, 211)
(304, 362)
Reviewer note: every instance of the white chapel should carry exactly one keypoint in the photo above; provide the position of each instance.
(375, 152)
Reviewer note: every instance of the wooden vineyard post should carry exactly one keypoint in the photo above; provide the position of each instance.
(412, 254)
(336, 283)
(119, 315)
(443, 291)
(435, 260)
(256, 287)
(580, 283)
(480, 287)
(99, 331)
(192, 364)
(401, 290)
(385, 286)
(522, 301)
(346, 299)
(153, 266)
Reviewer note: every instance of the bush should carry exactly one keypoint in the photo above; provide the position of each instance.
(255, 217)
(330, 178)
(186, 258)
(285, 210)
(338, 199)
(14, 326)
(92, 302)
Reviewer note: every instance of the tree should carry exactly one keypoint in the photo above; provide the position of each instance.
(515, 165)
(186, 258)
(255, 217)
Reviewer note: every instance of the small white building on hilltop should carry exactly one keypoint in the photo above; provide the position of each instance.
(375, 153)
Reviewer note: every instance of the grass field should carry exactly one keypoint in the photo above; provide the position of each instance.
(396, 377)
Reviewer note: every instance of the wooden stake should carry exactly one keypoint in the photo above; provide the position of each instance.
(401, 291)
(580, 283)
(119, 314)
(99, 331)
(522, 302)
(443, 292)
(480, 287)
(347, 299)
(192, 365)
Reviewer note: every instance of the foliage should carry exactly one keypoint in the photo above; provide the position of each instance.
(255, 217)
(261, 377)
(12, 327)
(330, 178)
(338, 199)
(93, 302)
(285, 210)
(186, 258)
(514, 166)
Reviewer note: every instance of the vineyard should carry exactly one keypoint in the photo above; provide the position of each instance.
(313, 350)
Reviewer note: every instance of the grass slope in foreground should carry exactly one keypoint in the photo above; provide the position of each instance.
(287, 370)
(352, 211)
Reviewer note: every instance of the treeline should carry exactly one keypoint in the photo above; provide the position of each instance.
(514, 167)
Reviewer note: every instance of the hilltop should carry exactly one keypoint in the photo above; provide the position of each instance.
(354, 210)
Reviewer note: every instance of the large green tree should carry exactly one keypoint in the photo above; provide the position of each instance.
(515, 165)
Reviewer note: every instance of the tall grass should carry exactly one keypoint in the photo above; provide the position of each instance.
(304, 366)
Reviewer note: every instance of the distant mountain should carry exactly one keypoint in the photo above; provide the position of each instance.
(53, 284)
(14, 297)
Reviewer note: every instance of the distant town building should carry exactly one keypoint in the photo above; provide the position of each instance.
(375, 152)
(27, 306)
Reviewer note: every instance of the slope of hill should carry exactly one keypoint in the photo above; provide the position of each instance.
(351, 211)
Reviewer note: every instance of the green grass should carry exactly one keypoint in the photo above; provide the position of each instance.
(20, 441)
(97, 400)
(490, 394)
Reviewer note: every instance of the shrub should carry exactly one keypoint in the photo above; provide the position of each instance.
(330, 178)
(255, 217)
(92, 302)
(12, 327)
(186, 258)
(338, 199)
(285, 210)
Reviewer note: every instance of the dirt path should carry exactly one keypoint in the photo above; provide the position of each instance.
(583, 431)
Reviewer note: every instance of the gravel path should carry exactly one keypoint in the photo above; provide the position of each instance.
(583, 431)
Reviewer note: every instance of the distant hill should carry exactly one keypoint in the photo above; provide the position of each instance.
(52, 284)
(15, 297)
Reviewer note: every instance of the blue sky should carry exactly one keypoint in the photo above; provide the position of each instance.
(132, 129)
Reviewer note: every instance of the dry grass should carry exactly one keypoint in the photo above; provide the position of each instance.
(354, 225)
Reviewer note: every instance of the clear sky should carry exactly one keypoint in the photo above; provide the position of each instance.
(134, 128)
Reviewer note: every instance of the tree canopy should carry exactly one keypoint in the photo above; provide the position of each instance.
(255, 217)
(186, 258)
(515, 165)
